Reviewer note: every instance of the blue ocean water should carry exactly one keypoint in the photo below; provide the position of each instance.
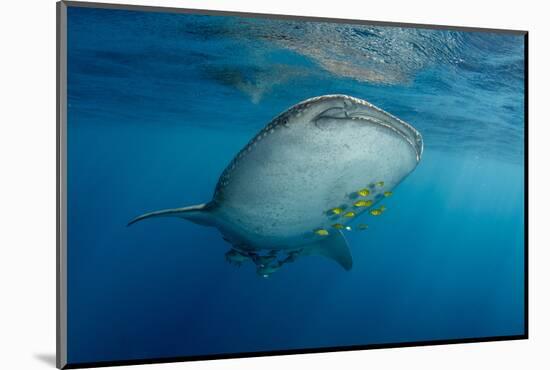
(158, 104)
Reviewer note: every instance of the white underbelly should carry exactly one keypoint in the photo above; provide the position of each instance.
(285, 184)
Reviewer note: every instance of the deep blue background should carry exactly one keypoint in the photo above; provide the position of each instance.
(160, 103)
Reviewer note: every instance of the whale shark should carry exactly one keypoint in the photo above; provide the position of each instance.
(295, 187)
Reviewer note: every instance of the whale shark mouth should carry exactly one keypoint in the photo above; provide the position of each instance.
(360, 110)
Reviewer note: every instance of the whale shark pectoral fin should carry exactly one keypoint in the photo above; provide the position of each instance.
(200, 214)
(334, 247)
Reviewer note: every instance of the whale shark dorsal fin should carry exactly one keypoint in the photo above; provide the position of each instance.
(334, 247)
(200, 214)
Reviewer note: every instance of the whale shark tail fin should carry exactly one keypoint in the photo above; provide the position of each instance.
(199, 214)
(334, 247)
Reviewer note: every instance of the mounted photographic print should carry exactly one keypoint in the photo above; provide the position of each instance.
(236, 185)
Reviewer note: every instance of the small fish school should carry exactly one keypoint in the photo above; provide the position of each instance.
(360, 205)
(266, 263)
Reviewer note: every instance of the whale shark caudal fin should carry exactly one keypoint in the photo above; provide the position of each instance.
(199, 214)
(334, 247)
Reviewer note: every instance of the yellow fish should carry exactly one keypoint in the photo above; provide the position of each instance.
(321, 232)
(363, 192)
(376, 212)
(363, 226)
(349, 214)
(336, 211)
(382, 208)
(338, 226)
(363, 203)
(387, 194)
(380, 183)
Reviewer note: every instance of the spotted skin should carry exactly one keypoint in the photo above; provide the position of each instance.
(315, 157)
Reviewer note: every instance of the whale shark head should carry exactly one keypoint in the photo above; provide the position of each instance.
(336, 112)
